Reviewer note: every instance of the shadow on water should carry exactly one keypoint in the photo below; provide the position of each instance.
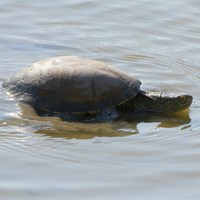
(126, 124)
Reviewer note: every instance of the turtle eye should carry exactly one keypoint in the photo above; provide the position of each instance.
(182, 98)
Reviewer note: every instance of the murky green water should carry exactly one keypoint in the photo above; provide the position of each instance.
(134, 157)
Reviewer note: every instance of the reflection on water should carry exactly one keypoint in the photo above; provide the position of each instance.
(126, 124)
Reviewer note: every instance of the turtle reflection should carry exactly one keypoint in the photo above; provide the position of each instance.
(125, 124)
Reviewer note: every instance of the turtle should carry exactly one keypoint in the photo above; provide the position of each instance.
(76, 85)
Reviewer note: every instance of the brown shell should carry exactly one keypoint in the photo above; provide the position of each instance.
(72, 84)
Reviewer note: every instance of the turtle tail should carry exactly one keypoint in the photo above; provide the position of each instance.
(156, 102)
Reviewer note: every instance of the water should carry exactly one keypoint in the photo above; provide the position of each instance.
(134, 157)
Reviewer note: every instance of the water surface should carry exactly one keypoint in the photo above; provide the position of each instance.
(135, 156)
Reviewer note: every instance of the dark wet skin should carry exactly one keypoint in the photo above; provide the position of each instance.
(152, 102)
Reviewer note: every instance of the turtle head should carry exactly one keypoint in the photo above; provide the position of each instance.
(167, 104)
(178, 103)
(156, 102)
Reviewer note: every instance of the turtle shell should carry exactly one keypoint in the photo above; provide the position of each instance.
(69, 84)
